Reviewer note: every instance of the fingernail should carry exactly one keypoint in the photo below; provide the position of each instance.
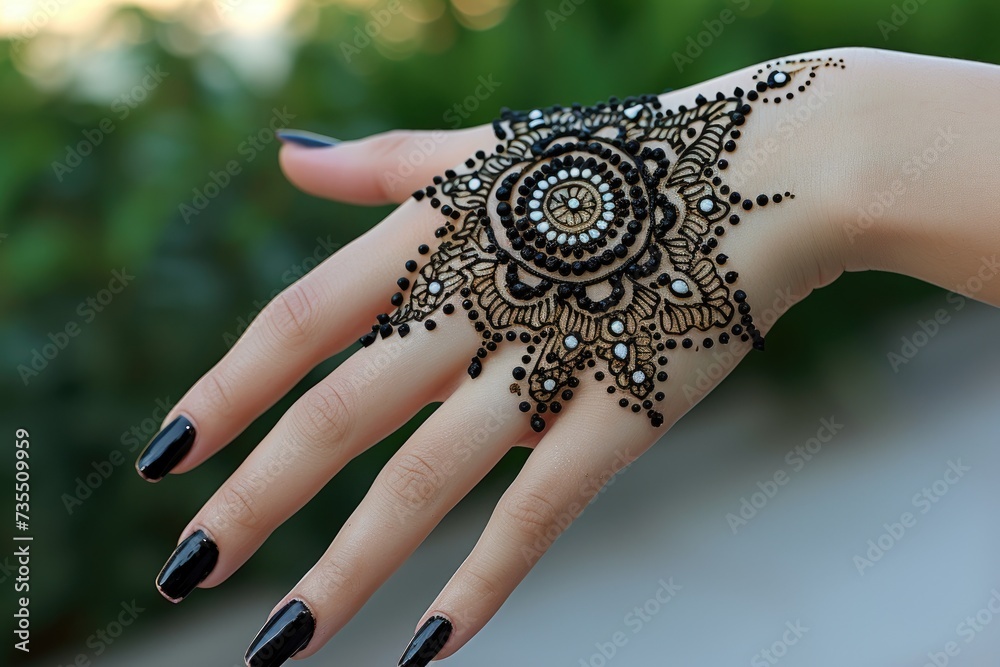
(427, 643)
(191, 562)
(286, 633)
(166, 449)
(306, 138)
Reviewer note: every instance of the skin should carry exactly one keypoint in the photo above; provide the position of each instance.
(855, 145)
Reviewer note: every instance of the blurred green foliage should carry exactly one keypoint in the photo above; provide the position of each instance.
(196, 281)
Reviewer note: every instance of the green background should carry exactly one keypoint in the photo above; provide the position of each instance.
(196, 281)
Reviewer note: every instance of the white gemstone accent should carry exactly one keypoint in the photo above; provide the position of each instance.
(586, 173)
(561, 238)
(706, 205)
(542, 227)
(549, 384)
(601, 224)
(574, 172)
(537, 194)
(543, 185)
(571, 342)
(434, 287)
(536, 215)
(536, 123)
(609, 206)
(596, 178)
(573, 203)
(552, 180)
(608, 196)
(551, 235)
(638, 377)
(632, 112)
(595, 234)
(780, 77)
(603, 187)
(534, 203)
(562, 174)
(680, 287)
(621, 350)
(608, 215)
(475, 184)
(535, 113)
(618, 327)
(571, 241)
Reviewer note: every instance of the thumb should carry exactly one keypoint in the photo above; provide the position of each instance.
(384, 168)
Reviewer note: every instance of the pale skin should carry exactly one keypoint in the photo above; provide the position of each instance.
(865, 126)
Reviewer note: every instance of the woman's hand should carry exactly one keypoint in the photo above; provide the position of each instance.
(580, 317)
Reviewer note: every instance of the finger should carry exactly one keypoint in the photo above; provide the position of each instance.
(446, 457)
(384, 168)
(369, 396)
(581, 452)
(317, 316)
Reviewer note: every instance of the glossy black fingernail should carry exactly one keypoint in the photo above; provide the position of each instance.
(427, 643)
(166, 449)
(191, 562)
(286, 633)
(306, 138)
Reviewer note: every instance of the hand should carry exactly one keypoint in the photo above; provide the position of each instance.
(575, 286)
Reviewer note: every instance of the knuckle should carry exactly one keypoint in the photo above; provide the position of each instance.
(334, 579)
(528, 512)
(239, 505)
(412, 481)
(323, 416)
(291, 315)
(217, 392)
(483, 586)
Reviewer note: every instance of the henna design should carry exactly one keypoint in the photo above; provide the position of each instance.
(590, 236)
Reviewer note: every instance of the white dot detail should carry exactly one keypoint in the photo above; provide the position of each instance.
(621, 351)
(618, 327)
(680, 287)
(536, 216)
(434, 287)
(571, 342)
(573, 203)
(475, 184)
(638, 377)
(632, 112)
(549, 384)
(706, 205)
(780, 77)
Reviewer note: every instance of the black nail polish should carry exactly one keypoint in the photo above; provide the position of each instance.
(305, 138)
(286, 633)
(166, 449)
(191, 562)
(427, 643)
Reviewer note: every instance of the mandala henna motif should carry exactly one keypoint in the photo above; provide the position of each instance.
(590, 237)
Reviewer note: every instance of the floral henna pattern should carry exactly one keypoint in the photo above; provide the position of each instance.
(591, 237)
